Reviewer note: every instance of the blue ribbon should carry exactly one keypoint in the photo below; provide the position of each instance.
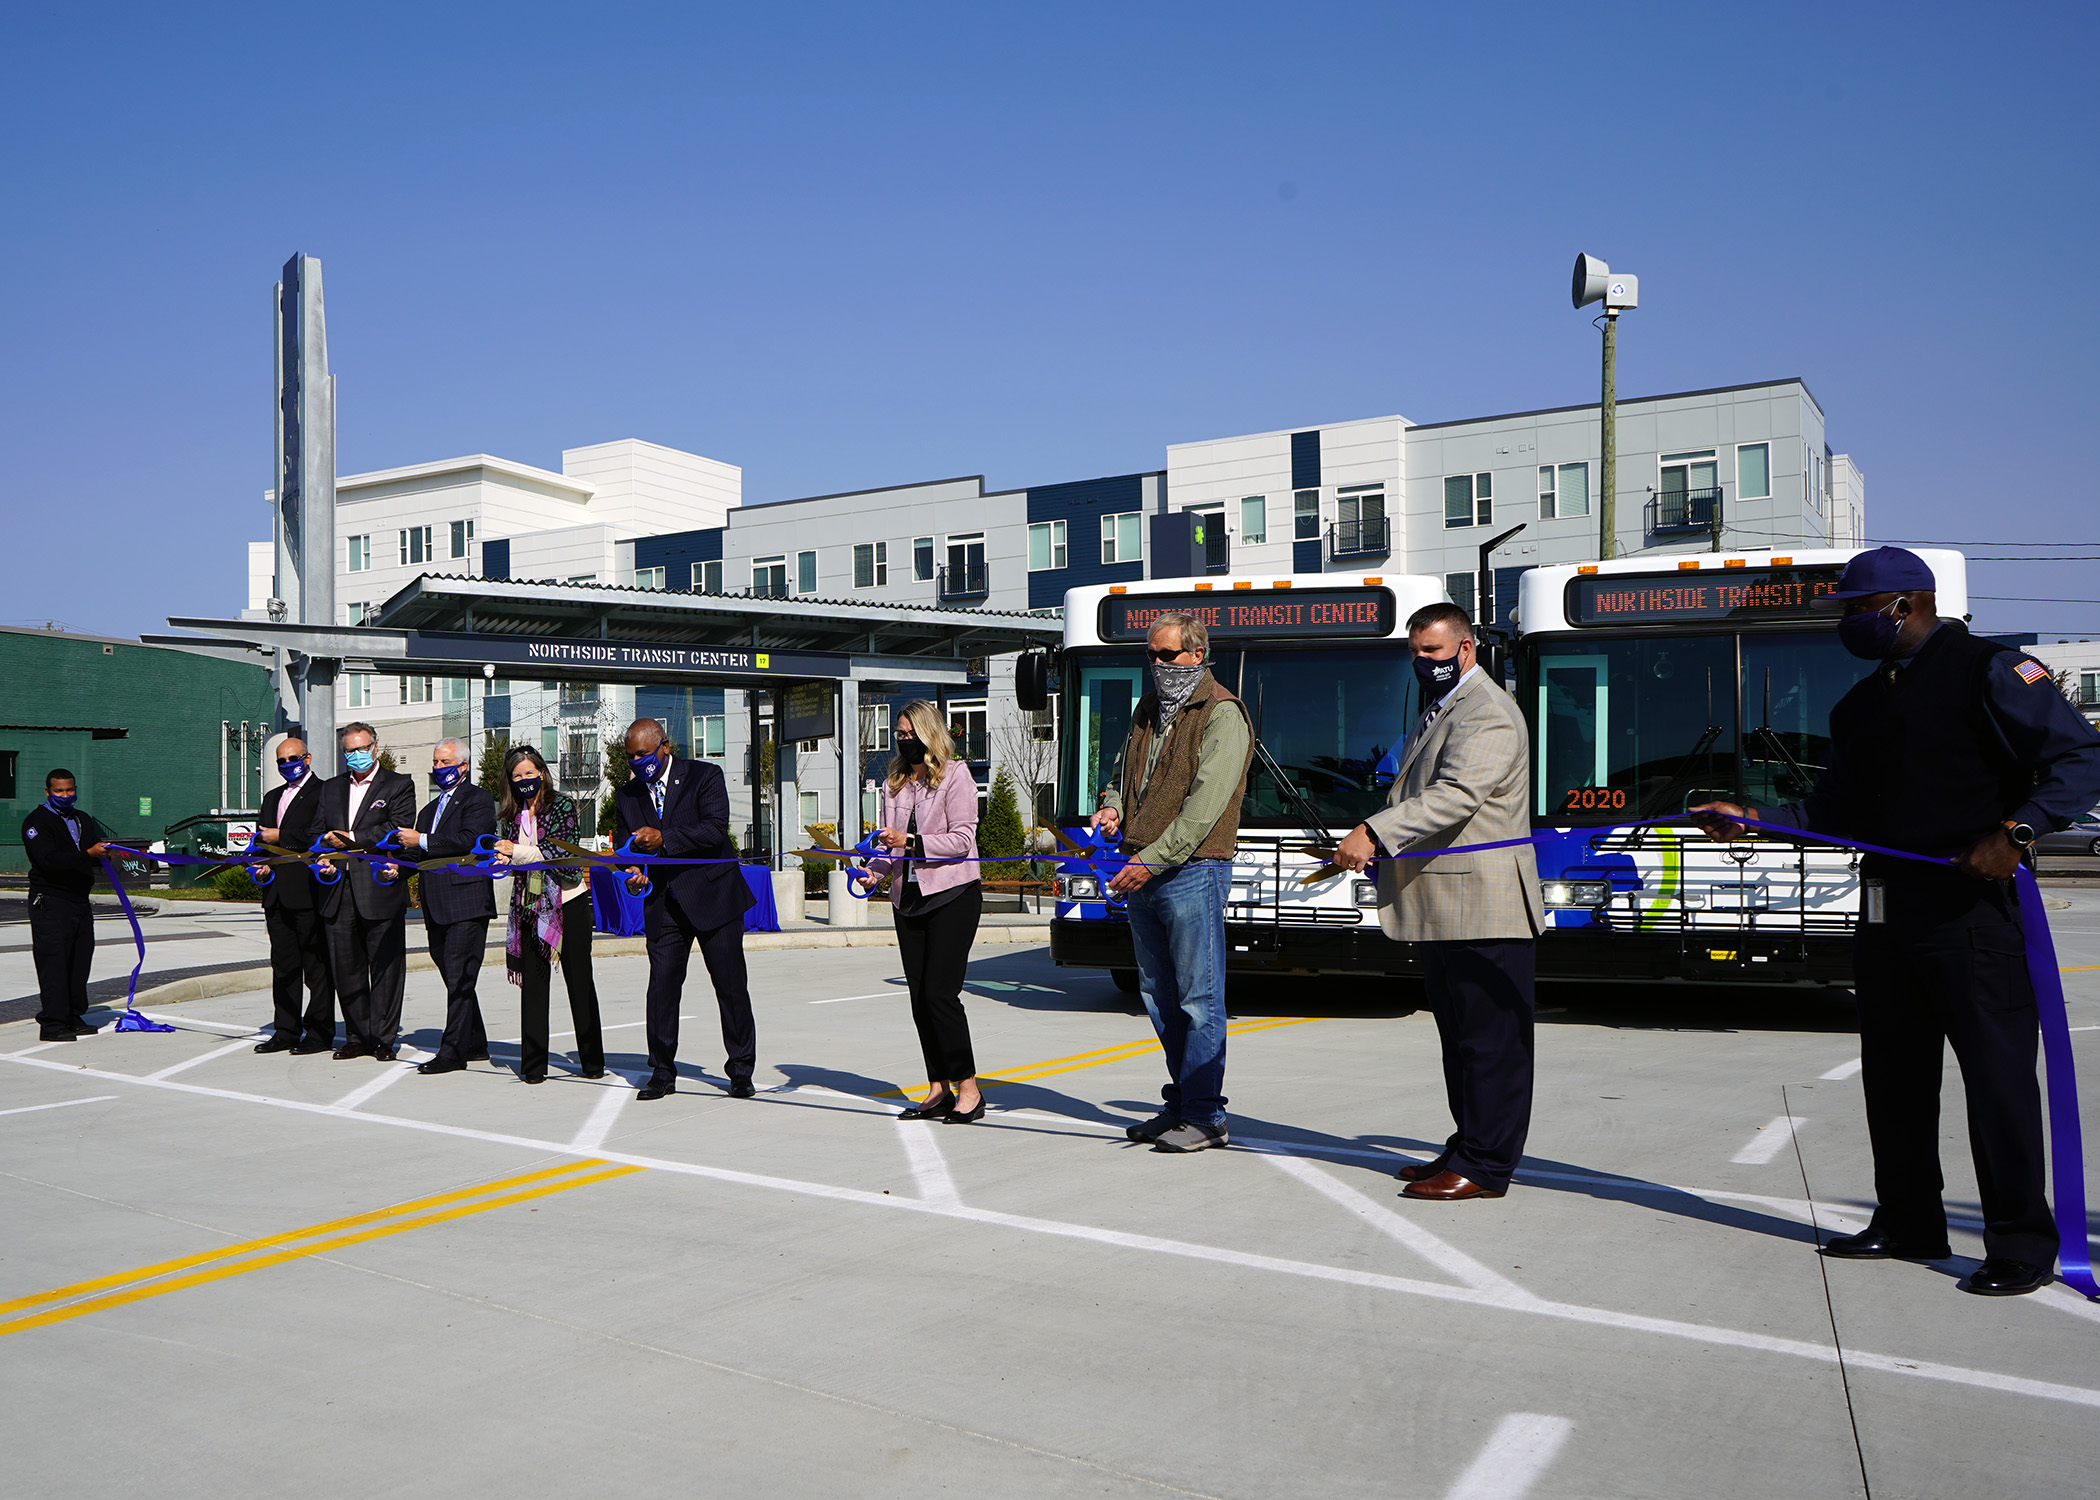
(131, 1020)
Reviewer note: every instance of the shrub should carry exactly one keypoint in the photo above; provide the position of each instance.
(1001, 834)
(236, 884)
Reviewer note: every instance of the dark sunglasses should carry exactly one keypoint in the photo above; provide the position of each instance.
(295, 760)
(1164, 657)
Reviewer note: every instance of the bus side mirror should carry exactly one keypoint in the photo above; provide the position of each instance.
(1032, 680)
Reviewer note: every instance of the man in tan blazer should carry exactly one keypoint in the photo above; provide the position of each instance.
(1464, 779)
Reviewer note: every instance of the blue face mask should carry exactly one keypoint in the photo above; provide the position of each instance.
(648, 767)
(1437, 677)
(360, 761)
(291, 770)
(58, 803)
(447, 777)
(1871, 637)
(526, 790)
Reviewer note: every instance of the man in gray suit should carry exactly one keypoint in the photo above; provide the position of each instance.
(1464, 779)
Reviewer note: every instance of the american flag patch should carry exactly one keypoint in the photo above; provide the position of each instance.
(2033, 671)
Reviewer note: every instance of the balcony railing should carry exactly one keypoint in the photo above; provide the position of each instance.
(580, 770)
(1673, 512)
(1369, 537)
(971, 581)
(578, 707)
(971, 744)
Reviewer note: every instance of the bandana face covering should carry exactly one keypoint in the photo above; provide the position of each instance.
(1173, 683)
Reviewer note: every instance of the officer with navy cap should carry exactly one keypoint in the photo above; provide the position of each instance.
(1959, 747)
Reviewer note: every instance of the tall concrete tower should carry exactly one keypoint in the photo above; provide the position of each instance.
(305, 474)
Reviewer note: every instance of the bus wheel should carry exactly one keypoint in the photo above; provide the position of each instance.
(1126, 980)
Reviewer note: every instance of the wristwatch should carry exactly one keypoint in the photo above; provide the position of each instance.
(2021, 834)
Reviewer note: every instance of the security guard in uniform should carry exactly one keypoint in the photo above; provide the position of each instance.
(1959, 747)
(63, 843)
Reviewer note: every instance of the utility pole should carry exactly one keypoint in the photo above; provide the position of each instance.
(1594, 282)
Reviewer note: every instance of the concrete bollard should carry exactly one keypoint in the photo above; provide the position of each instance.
(787, 894)
(847, 910)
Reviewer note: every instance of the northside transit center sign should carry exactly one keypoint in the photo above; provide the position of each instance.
(1300, 614)
(1668, 598)
(622, 656)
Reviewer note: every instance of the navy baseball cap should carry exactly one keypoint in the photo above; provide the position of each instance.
(1885, 570)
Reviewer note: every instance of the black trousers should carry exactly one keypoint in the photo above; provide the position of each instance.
(1483, 997)
(1949, 964)
(299, 957)
(456, 949)
(935, 948)
(671, 936)
(62, 939)
(370, 959)
(535, 979)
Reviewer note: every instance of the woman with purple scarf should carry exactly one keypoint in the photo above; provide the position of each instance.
(550, 914)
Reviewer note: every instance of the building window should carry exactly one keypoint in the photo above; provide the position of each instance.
(358, 612)
(707, 578)
(769, 576)
(1046, 546)
(7, 775)
(1460, 587)
(808, 808)
(360, 689)
(462, 534)
(499, 687)
(2089, 689)
(805, 572)
(1753, 471)
(1563, 491)
(1122, 537)
(1469, 500)
(415, 546)
(966, 724)
(648, 578)
(711, 736)
(871, 565)
(415, 689)
(455, 689)
(360, 554)
(550, 743)
(550, 687)
(1254, 520)
(582, 578)
(922, 559)
(1305, 515)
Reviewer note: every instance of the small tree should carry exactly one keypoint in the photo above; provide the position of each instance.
(1000, 836)
(495, 744)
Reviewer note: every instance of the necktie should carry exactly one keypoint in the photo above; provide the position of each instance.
(439, 816)
(656, 797)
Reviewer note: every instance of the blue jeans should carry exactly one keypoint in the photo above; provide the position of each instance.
(1177, 925)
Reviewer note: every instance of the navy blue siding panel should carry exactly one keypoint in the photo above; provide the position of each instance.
(1081, 505)
(676, 707)
(676, 552)
(1305, 557)
(1506, 593)
(1305, 460)
(495, 558)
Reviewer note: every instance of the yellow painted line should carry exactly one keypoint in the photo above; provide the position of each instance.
(2079, 969)
(260, 1262)
(1028, 1072)
(416, 1205)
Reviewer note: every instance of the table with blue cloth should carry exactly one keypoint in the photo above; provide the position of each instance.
(617, 911)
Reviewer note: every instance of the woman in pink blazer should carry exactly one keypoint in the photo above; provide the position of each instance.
(929, 813)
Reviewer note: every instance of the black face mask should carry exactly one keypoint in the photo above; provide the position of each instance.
(911, 752)
(1437, 677)
(526, 791)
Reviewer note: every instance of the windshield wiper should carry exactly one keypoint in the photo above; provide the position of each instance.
(1798, 772)
(1686, 770)
(1293, 795)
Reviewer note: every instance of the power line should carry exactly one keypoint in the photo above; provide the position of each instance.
(2024, 599)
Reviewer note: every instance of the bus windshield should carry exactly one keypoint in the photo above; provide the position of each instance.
(1646, 727)
(1335, 718)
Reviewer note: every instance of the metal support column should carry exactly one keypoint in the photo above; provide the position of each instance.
(754, 768)
(787, 806)
(849, 762)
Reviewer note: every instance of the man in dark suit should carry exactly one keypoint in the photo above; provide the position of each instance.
(63, 843)
(680, 809)
(291, 817)
(367, 945)
(457, 909)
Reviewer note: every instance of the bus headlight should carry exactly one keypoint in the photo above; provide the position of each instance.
(1583, 893)
(1366, 893)
(1082, 888)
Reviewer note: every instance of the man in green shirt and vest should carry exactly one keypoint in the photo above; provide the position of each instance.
(1176, 797)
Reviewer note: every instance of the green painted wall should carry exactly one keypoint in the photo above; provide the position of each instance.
(170, 701)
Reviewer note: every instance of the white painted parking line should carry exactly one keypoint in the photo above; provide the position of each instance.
(39, 1047)
(30, 1109)
(224, 1027)
(1519, 1450)
(1768, 1142)
(929, 1169)
(1842, 1071)
(1447, 1258)
(842, 999)
(392, 1075)
(204, 1057)
(619, 1088)
(1713, 1335)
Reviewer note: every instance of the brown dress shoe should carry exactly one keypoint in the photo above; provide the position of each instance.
(1418, 1171)
(1447, 1187)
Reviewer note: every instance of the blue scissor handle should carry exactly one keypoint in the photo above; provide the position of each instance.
(379, 879)
(1101, 856)
(390, 842)
(327, 873)
(868, 848)
(261, 874)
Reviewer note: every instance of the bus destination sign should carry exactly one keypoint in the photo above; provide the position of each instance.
(1296, 614)
(1738, 596)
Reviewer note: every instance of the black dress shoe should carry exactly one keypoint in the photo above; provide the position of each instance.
(655, 1090)
(385, 1054)
(277, 1044)
(480, 1054)
(965, 1116)
(534, 1077)
(81, 1028)
(308, 1049)
(2001, 1277)
(742, 1088)
(57, 1036)
(1875, 1244)
(932, 1109)
(351, 1049)
(442, 1065)
(594, 1073)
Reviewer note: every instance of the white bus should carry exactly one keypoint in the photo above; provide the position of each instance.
(1650, 684)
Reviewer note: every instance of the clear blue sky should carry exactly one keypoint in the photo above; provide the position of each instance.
(846, 246)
